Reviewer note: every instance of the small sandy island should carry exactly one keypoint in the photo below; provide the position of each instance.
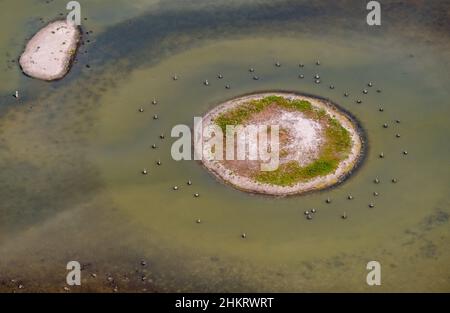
(48, 55)
(319, 144)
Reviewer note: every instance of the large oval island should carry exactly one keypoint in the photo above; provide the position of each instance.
(318, 144)
(49, 53)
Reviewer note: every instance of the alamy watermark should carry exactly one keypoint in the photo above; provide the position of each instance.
(373, 278)
(241, 142)
(73, 278)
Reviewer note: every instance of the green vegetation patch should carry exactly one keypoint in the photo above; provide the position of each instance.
(335, 149)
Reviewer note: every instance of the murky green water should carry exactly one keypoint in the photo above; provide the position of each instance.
(71, 151)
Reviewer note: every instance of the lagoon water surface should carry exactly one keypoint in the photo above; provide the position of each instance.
(72, 151)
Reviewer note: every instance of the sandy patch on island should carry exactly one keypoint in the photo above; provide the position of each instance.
(49, 52)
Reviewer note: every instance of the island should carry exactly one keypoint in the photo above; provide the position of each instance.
(319, 143)
(49, 53)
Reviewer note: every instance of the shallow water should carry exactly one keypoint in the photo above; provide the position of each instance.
(71, 151)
